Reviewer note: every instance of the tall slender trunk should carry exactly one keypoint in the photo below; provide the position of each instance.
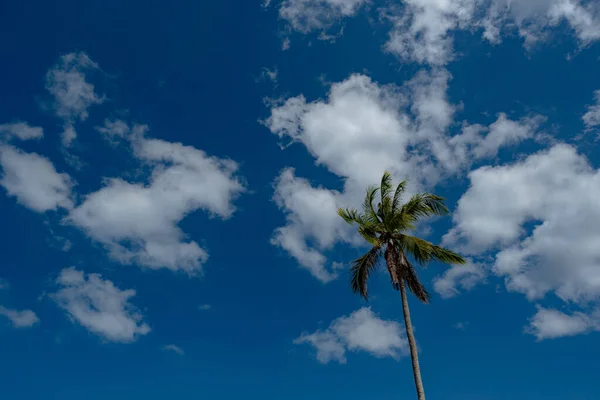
(395, 260)
(411, 342)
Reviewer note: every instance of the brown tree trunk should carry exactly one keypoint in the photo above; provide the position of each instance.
(394, 259)
(412, 344)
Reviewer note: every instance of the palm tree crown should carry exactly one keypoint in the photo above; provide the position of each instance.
(385, 227)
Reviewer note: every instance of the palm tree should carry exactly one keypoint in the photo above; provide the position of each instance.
(386, 230)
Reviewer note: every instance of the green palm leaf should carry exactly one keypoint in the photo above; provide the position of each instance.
(361, 269)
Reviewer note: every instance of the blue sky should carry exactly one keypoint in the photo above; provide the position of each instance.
(170, 173)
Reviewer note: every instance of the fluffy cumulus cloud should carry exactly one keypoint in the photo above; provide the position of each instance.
(311, 217)
(99, 306)
(551, 323)
(30, 177)
(359, 131)
(138, 222)
(20, 319)
(73, 94)
(313, 15)
(478, 142)
(422, 29)
(363, 331)
(556, 191)
(464, 276)
(34, 181)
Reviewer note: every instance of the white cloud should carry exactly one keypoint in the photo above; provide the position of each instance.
(174, 349)
(465, 276)
(138, 222)
(311, 215)
(591, 118)
(4, 284)
(357, 134)
(286, 43)
(269, 74)
(557, 190)
(204, 307)
(361, 130)
(329, 346)
(422, 30)
(20, 319)
(99, 306)
(113, 129)
(503, 132)
(34, 181)
(69, 134)
(534, 18)
(21, 130)
(360, 331)
(73, 94)
(313, 15)
(552, 324)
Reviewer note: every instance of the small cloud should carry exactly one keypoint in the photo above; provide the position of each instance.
(73, 94)
(99, 306)
(20, 319)
(21, 130)
(363, 331)
(591, 119)
(551, 323)
(461, 326)
(34, 181)
(308, 16)
(113, 129)
(204, 307)
(4, 284)
(174, 349)
(286, 44)
(465, 276)
(269, 75)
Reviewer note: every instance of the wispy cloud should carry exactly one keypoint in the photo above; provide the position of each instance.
(174, 349)
(73, 94)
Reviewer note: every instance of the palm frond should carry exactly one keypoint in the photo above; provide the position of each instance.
(419, 249)
(400, 189)
(419, 206)
(369, 234)
(368, 210)
(351, 215)
(447, 256)
(361, 269)
(413, 283)
(424, 205)
(385, 206)
(386, 186)
(423, 251)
